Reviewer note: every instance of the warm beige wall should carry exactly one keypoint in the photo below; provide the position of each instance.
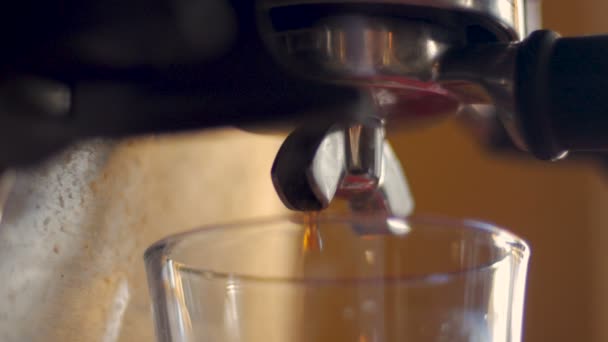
(547, 204)
(559, 208)
(576, 17)
(581, 18)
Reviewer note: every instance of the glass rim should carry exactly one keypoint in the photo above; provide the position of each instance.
(515, 245)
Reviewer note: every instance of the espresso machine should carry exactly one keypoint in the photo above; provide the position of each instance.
(335, 75)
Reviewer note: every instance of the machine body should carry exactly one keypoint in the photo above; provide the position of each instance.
(110, 69)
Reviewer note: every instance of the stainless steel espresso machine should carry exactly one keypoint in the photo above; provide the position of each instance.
(337, 74)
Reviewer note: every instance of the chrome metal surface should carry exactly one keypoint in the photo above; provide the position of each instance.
(484, 75)
(327, 168)
(391, 60)
(363, 149)
(393, 49)
(509, 14)
(373, 180)
(394, 188)
(366, 51)
(392, 196)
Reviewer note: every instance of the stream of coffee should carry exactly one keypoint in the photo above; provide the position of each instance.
(311, 241)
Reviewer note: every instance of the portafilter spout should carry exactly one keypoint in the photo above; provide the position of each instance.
(352, 161)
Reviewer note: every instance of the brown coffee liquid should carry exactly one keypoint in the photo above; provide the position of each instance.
(311, 240)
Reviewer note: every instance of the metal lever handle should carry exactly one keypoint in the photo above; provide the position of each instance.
(562, 93)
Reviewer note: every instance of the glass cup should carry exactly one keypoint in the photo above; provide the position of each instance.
(339, 278)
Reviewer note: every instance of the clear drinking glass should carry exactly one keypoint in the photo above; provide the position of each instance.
(334, 279)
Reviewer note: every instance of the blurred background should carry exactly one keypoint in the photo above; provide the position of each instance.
(560, 208)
